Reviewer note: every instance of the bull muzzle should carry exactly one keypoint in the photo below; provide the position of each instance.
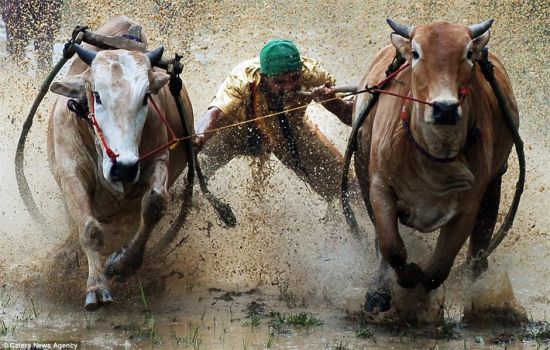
(124, 172)
(445, 113)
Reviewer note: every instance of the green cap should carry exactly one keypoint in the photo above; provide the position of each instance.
(279, 56)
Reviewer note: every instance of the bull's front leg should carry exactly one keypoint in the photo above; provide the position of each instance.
(391, 244)
(91, 240)
(450, 240)
(128, 259)
(391, 247)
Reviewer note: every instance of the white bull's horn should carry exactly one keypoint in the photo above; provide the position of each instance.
(480, 28)
(401, 29)
(155, 55)
(85, 55)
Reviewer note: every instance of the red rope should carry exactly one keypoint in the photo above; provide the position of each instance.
(110, 153)
(173, 138)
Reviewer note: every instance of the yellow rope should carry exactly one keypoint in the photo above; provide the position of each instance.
(258, 118)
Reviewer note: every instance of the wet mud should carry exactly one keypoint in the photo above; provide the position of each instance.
(290, 252)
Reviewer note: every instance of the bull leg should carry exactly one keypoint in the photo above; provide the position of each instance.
(378, 297)
(391, 244)
(484, 227)
(91, 240)
(129, 259)
(450, 241)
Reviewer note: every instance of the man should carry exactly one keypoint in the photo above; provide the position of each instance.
(264, 86)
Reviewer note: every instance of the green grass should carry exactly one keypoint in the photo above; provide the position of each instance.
(281, 323)
(255, 320)
(6, 298)
(365, 333)
(255, 312)
(270, 340)
(3, 329)
(538, 331)
(194, 339)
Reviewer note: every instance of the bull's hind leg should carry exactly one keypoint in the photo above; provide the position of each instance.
(129, 259)
(484, 227)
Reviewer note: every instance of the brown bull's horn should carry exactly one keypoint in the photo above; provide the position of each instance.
(85, 55)
(401, 29)
(478, 29)
(155, 55)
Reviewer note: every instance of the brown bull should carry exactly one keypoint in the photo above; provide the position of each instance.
(435, 163)
(107, 187)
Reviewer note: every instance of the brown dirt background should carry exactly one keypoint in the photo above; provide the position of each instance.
(282, 245)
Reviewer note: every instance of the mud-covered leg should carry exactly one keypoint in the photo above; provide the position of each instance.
(128, 260)
(378, 297)
(97, 292)
(320, 159)
(91, 239)
(450, 240)
(484, 227)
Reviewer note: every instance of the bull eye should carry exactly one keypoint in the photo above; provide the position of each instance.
(96, 97)
(469, 54)
(415, 55)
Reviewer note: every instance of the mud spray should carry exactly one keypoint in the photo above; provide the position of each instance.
(285, 252)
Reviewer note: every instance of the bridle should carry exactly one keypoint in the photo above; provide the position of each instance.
(91, 118)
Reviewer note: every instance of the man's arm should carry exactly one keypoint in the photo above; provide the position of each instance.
(340, 108)
(207, 123)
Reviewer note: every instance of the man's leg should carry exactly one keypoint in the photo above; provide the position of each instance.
(222, 147)
(318, 156)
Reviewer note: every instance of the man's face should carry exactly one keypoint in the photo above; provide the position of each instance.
(279, 85)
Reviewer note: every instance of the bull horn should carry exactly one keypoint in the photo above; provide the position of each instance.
(480, 28)
(85, 55)
(155, 55)
(401, 29)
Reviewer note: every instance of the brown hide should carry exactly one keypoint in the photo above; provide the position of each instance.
(402, 184)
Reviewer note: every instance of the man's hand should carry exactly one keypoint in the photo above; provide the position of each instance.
(198, 143)
(342, 109)
(323, 92)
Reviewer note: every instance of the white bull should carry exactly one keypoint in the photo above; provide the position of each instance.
(107, 187)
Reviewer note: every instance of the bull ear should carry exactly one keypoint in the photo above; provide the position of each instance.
(73, 86)
(402, 45)
(157, 80)
(479, 43)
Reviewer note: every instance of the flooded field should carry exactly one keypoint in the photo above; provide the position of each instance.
(290, 275)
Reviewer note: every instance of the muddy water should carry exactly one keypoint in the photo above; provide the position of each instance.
(289, 248)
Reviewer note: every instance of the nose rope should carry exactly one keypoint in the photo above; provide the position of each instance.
(174, 140)
(406, 120)
(99, 132)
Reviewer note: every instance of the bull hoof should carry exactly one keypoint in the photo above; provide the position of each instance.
(479, 266)
(376, 302)
(117, 266)
(97, 298)
(409, 275)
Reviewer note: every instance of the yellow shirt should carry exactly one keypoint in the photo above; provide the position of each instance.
(234, 95)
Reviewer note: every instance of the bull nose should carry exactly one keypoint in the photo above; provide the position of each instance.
(124, 172)
(445, 113)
